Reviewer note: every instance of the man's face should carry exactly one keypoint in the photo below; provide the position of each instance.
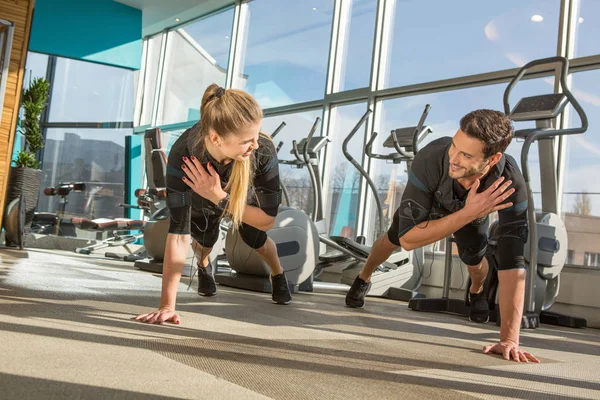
(466, 156)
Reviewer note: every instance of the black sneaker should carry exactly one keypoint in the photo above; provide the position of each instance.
(281, 290)
(206, 282)
(355, 298)
(479, 309)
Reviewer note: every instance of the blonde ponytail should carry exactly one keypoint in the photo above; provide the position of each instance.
(238, 187)
(226, 112)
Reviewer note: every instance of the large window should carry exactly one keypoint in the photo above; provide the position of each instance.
(581, 191)
(88, 92)
(286, 51)
(444, 119)
(150, 78)
(353, 69)
(197, 56)
(587, 28)
(93, 156)
(77, 147)
(296, 181)
(433, 40)
(344, 178)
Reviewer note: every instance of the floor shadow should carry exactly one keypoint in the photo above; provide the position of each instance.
(23, 387)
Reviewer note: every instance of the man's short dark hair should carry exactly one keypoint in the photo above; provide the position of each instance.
(492, 127)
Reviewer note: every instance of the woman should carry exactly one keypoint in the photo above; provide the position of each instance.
(221, 166)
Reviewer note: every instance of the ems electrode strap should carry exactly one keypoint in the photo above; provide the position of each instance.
(269, 200)
(179, 199)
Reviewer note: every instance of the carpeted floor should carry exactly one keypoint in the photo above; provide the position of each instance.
(68, 332)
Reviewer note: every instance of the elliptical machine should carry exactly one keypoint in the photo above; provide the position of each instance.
(396, 271)
(546, 229)
(405, 142)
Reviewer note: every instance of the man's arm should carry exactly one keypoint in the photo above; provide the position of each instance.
(478, 205)
(431, 231)
(512, 230)
(511, 298)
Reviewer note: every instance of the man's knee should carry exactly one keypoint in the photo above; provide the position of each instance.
(477, 266)
(472, 258)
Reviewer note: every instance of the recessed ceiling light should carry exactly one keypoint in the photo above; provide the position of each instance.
(226, 37)
(176, 19)
(537, 18)
(580, 20)
(314, 8)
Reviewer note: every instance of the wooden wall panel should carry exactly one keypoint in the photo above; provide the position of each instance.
(19, 12)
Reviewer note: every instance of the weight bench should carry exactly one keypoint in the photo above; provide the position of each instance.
(111, 225)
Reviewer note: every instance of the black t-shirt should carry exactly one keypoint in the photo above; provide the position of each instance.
(266, 170)
(431, 193)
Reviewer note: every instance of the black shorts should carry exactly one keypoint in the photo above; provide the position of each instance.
(201, 221)
(471, 239)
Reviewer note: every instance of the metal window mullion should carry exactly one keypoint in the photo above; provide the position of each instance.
(567, 28)
(45, 117)
(139, 96)
(328, 121)
(328, 115)
(330, 79)
(160, 84)
(366, 199)
(237, 49)
(376, 51)
(366, 202)
(385, 24)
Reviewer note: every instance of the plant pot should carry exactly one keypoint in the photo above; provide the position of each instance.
(24, 182)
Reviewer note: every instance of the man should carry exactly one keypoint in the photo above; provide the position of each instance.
(453, 185)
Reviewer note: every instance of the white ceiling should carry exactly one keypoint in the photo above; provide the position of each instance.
(160, 14)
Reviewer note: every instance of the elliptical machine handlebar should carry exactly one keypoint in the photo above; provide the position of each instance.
(564, 71)
(418, 130)
(279, 128)
(359, 167)
(415, 138)
(305, 159)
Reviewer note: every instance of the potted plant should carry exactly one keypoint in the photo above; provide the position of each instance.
(25, 176)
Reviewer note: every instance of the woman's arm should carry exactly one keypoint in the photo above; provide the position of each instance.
(176, 250)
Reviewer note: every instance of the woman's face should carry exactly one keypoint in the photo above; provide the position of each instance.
(240, 145)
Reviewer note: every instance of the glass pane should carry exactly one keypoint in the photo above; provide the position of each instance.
(587, 29)
(468, 37)
(286, 51)
(344, 178)
(93, 156)
(197, 56)
(447, 108)
(152, 66)
(581, 191)
(88, 92)
(36, 67)
(356, 39)
(296, 181)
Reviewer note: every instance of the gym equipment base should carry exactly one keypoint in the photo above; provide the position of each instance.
(401, 294)
(157, 267)
(453, 306)
(249, 282)
(532, 320)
